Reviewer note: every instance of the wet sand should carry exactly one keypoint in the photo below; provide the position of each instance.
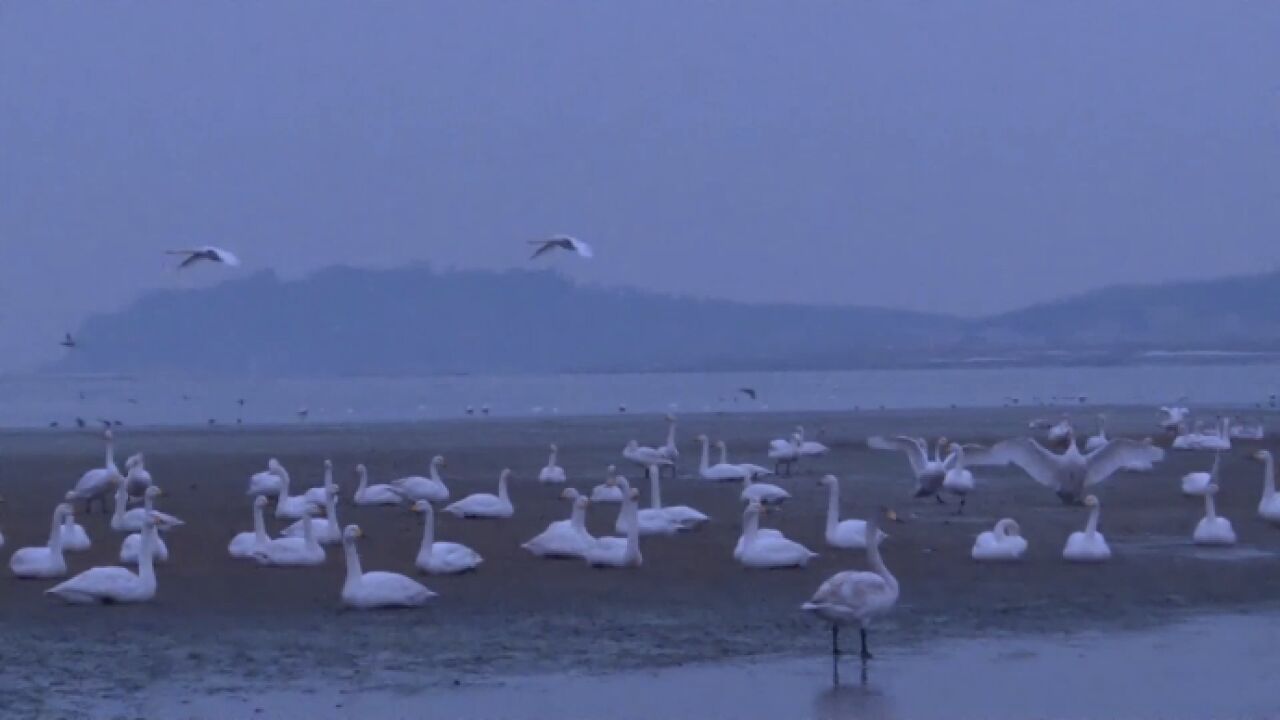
(221, 623)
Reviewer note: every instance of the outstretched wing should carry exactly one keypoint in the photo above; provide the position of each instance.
(546, 246)
(917, 453)
(1041, 464)
(580, 247)
(1115, 455)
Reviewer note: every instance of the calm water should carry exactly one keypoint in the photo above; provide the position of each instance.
(36, 401)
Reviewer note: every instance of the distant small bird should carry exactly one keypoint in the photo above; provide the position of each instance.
(303, 413)
(80, 423)
(132, 401)
(68, 341)
(213, 421)
(562, 242)
(484, 409)
(471, 410)
(622, 408)
(208, 252)
(749, 392)
(53, 424)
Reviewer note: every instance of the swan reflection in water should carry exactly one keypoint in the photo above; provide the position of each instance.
(853, 702)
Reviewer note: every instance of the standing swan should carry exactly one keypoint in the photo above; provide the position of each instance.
(1070, 473)
(1212, 529)
(96, 484)
(1090, 545)
(552, 473)
(1269, 505)
(114, 584)
(1004, 542)
(959, 479)
(380, 494)
(372, 590)
(763, 493)
(245, 544)
(485, 505)
(441, 558)
(856, 597)
(44, 561)
(669, 449)
(851, 534)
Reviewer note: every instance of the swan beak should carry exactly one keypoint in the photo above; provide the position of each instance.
(894, 516)
(359, 533)
(416, 509)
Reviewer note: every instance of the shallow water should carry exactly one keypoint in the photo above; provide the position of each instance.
(35, 401)
(1217, 666)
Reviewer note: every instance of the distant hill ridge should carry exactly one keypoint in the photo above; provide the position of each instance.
(413, 320)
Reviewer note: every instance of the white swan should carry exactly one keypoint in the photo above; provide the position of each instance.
(669, 449)
(850, 534)
(1217, 438)
(98, 483)
(644, 456)
(326, 530)
(292, 551)
(1213, 529)
(1096, 441)
(611, 551)
(564, 538)
(959, 479)
(318, 496)
(763, 493)
(784, 453)
(485, 505)
(74, 537)
(1245, 430)
(720, 472)
(416, 487)
(1269, 505)
(809, 448)
(929, 472)
(650, 521)
(751, 468)
(1197, 483)
(757, 550)
(1089, 545)
(380, 494)
(112, 584)
(856, 597)
(132, 520)
(245, 544)
(131, 549)
(269, 482)
(290, 507)
(1004, 542)
(685, 517)
(552, 473)
(441, 558)
(1070, 473)
(609, 491)
(1172, 417)
(377, 589)
(44, 561)
(137, 479)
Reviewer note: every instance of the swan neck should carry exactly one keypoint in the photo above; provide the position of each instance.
(551, 461)
(364, 482)
(502, 487)
(146, 567)
(655, 490)
(354, 571)
(724, 454)
(706, 454)
(111, 453)
(259, 526)
(833, 507)
(578, 518)
(671, 433)
(428, 529)
(55, 530)
(1269, 480)
(633, 531)
(750, 523)
(117, 513)
(1092, 526)
(873, 554)
(331, 508)
(1210, 510)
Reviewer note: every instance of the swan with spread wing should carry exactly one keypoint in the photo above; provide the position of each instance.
(1071, 472)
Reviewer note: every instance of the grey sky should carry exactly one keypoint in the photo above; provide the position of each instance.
(947, 156)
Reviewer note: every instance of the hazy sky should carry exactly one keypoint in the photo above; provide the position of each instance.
(967, 157)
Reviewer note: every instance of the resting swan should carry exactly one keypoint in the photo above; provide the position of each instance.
(720, 472)
(485, 505)
(97, 484)
(1070, 473)
(112, 584)
(1090, 545)
(650, 521)
(609, 491)
(552, 473)
(1218, 439)
(763, 493)
(851, 534)
(292, 551)
(318, 495)
(441, 558)
(1005, 542)
(564, 538)
(290, 507)
(245, 544)
(1096, 441)
(380, 494)
(136, 478)
(745, 467)
(1213, 529)
(669, 449)
(645, 456)
(1197, 483)
(326, 530)
(856, 597)
(685, 517)
(133, 520)
(1269, 505)
(416, 487)
(809, 448)
(373, 590)
(269, 482)
(768, 551)
(44, 561)
(611, 551)
(74, 537)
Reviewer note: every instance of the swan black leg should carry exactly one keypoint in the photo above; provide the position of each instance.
(866, 654)
(939, 499)
(835, 640)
